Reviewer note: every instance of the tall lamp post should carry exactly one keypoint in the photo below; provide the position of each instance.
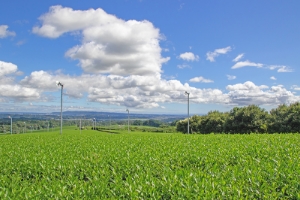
(109, 122)
(61, 101)
(188, 126)
(94, 120)
(128, 119)
(80, 125)
(10, 124)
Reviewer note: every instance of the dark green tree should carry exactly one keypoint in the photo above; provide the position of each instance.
(285, 119)
(181, 126)
(213, 122)
(152, 122)
(195, 120)
(249, 119)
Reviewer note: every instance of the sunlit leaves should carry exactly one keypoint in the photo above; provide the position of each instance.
(95, 165)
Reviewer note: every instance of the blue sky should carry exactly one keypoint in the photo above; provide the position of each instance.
(144, 54)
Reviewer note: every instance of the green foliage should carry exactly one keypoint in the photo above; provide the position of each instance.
(137, 122)
(213, 122)
(119, 128)
(285, 119)
(27, 126)
(152, 122)
(96, 165)
(149, 122)
(249, 119)
(181, 126)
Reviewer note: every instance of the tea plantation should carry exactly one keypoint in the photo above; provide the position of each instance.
(139, 165)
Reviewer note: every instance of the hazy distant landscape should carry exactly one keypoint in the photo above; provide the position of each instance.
(88, 115)
(39, 121)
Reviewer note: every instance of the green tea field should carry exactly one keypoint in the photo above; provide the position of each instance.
(139, 165)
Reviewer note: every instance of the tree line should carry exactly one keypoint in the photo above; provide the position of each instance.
(248, 119)
(149, 122)
(20, 125)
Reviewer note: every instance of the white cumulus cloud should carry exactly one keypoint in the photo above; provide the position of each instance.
(109, 45)
(201, 79)
(248, 93)
(131, 91)
(7, 68)
(135, 91)
(11, 91)
(212, 55)
(18, 93)
(272, 78)
(145, 92)
(189, 56)
(4, 32)
(8, 71)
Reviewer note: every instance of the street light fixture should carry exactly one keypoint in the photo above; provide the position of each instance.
(10, 124)
(128, 119)
(188, 126)
(61, 101)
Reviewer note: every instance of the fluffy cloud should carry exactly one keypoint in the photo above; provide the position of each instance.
(143, 92)
(9, 90)
(212, 55)
(239, 57)
(7, 72)
(272, 78)
(7, 68)
(249, 93)
(54, 25)
(4, 32)
(131, 91)
(110, 45)
(246, 64)
(188, 56)
(18, 93)
(201, 79)
(136, 91)
(247, 86)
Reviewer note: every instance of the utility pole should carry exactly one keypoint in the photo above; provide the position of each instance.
(10, 124)
(188, 110)
(61, 103)
(128, 119)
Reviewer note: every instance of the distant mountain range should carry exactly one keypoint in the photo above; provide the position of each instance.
(90, 115)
